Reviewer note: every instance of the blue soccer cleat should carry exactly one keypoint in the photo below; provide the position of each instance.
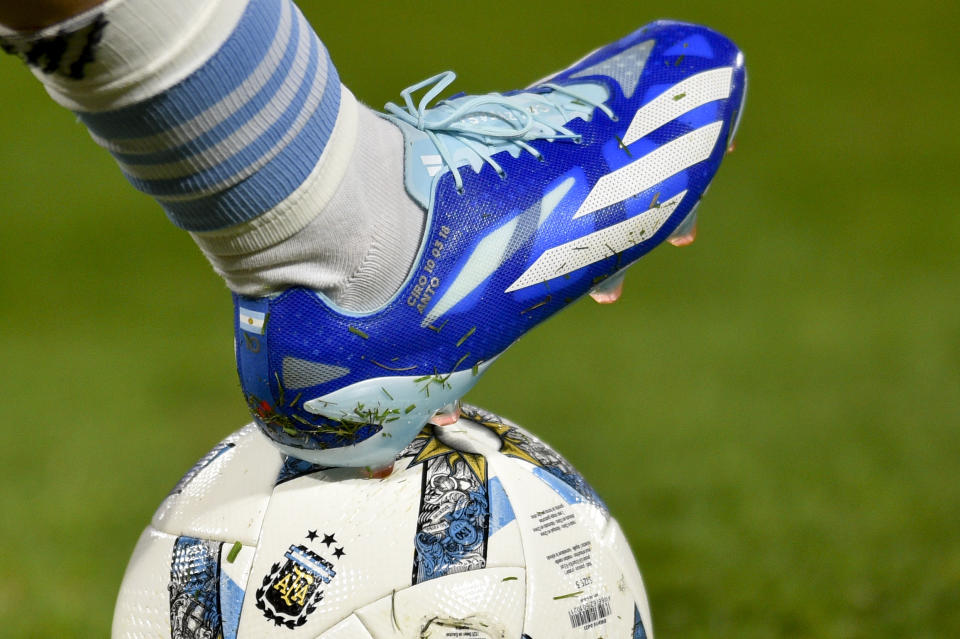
(535, 198)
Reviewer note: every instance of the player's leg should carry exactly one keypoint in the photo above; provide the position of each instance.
(231, 114)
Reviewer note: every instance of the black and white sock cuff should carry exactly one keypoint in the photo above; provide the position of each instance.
(124, 51)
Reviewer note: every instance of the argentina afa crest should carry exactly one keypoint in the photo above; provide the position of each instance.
(292, 589)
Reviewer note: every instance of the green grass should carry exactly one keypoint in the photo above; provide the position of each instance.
(774, 422)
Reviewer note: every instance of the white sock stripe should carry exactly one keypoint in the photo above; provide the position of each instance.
(651, 169)
(315, 95)
(682, 97)
(250, 131)
(207, 120)
(605, 243)
(301, 206)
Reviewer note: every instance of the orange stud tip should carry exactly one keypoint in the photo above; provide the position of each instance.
(609, 291)
(378, 473)
(449, 414)
(684, 239)
(686, 233)
(732, 147)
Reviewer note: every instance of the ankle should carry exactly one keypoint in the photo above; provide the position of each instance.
(351, 234)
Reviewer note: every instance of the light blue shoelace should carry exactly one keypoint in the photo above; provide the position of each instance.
(463, 118)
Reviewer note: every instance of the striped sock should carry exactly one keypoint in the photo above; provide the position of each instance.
(232, 116)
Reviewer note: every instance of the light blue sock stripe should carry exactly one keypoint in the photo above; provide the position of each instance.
(225, 71)
(205, 187)
(229, 171)
(232, 122)
(272, 183)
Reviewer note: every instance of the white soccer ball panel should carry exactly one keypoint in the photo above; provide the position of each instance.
(481, 604)
(353, 534)
(225, 495)
(572, 585)
(349, 628)
(505, 547)
(619, 549)
(143, 604)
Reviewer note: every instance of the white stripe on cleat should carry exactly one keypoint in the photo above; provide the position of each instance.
(681, 98)
(655, 167)
(598, 245)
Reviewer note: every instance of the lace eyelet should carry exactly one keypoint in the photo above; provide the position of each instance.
(614, 118)
(540, 158)
(502, 174)
(461, 190)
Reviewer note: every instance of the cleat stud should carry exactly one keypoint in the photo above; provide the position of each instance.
(610, 290)
(686, 233)
(378, 473)
(686, 239)
(447, 415)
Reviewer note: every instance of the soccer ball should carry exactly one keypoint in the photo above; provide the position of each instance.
(482, 532)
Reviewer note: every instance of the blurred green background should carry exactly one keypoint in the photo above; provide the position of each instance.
(771, 414)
